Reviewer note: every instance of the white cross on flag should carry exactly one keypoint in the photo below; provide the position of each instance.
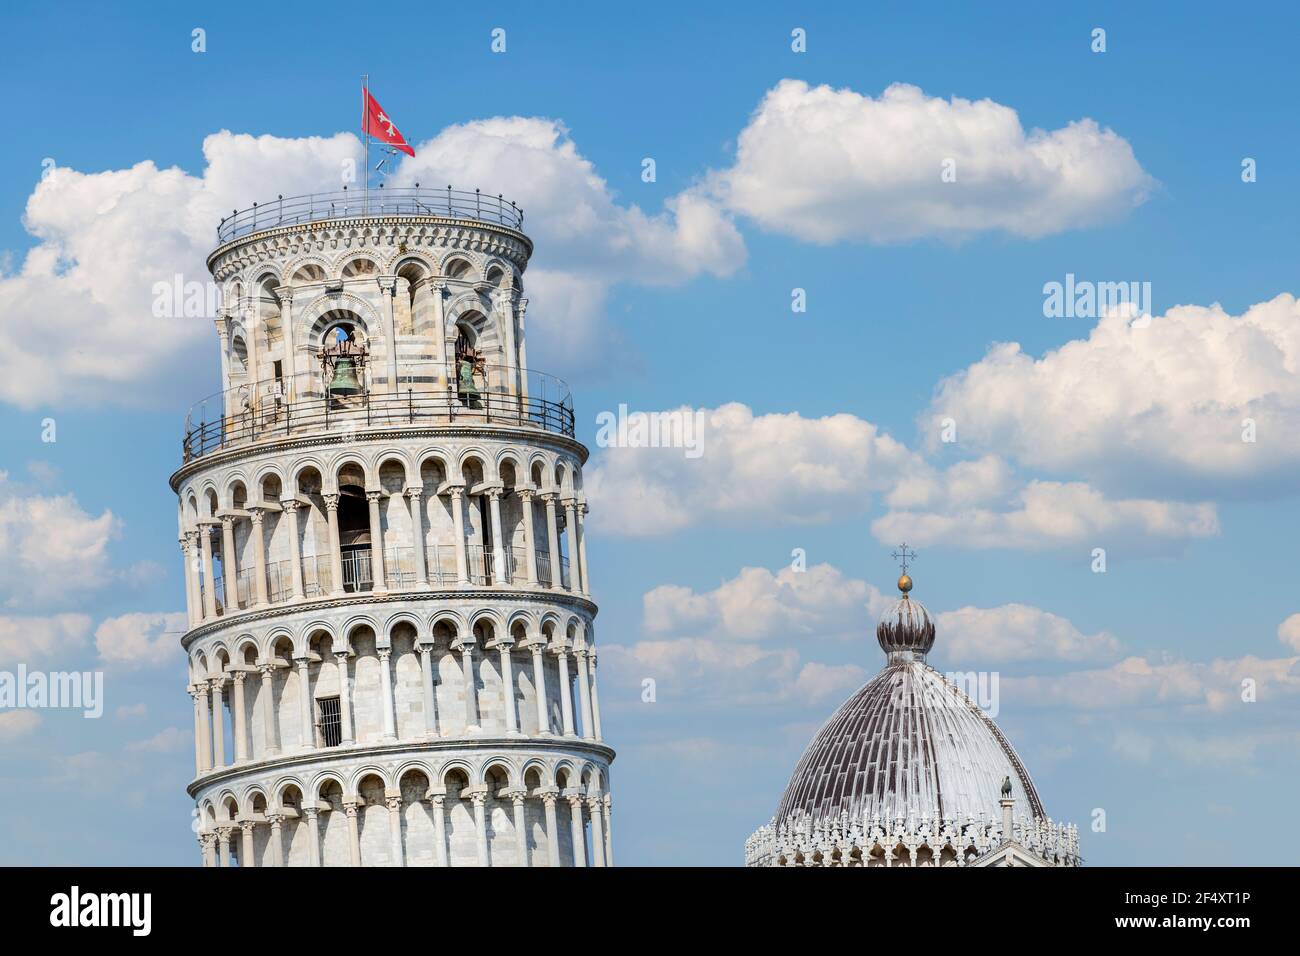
(378, 125)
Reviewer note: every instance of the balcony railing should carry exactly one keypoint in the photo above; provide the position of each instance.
(400, 573)
(317, 207)
(425, 393)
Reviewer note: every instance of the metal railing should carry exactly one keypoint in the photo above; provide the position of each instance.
(408, 201)
(357, 574)
(423, 393)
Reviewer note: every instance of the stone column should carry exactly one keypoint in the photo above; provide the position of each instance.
(571, 526)
(553, 532)
(239, 720)
(479, 800)
(530, 538)
(595, 701)
(537, 645)
(192, 613)
(498, 543)
(414, 499)
(259, 557)
(209, 583)
(552, 829)
(205, 728)
(458, 520)
(218, 725)
(376, 541)
(336, 548)
(291, 506)
(270, 715)
(388, 285)
(579, 837)
(439, 827)
(440, 332)
(580, 536)
(426, 678)
(503, 305)
(508, 686)
(208, 842)
(521, 825)
(277, 841)
(312, 815)
(223, 844)
(584, 695)
(386, 693)
(198, 728)
(595, 806)
(566, 692)
(394, 802)
(305, 704)
(247, 858)
(466, 649)
(229, 564)
(354, 833)
(609, 832)
(285, 294)
(345, 698)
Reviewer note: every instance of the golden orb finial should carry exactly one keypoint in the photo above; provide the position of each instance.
(904, 555)
(904, 584)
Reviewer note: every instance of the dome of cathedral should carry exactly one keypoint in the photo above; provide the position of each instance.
(911, 745)
(908, 744)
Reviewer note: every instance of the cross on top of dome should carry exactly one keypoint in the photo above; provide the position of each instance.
(903, 555)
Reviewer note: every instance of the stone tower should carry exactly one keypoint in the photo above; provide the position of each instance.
(390, 643)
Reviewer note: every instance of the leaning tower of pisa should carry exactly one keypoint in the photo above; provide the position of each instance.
(390, 644)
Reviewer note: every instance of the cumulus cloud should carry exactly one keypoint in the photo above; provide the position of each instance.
(784, 467)
(1048, 514)
(817, 602)
(140, 639)
(78, 313)
(15, 724)
(1135, 682)
(1288, 632)
(727, 673)
(1163, 406)
(50, 546)
(1018, 632)
(103, 240)
(166, 741)
(827, 165)
(30, 639)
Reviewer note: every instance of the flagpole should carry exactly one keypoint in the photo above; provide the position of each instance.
(365, 126)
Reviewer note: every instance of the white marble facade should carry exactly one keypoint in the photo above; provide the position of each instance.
(391, 648)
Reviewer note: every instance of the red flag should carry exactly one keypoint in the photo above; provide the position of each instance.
(378, 125)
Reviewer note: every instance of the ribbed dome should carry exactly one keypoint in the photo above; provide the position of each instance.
(906, 626)
(908, 744)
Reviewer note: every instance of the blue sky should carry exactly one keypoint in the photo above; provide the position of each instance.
(1190, 90)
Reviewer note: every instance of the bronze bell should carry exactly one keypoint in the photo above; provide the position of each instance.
(345, 378)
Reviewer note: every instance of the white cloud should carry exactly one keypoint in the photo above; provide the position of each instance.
(77, 312)
(1138, 683)
(1017, 632)
(18, 723)
(1048, 514)
(817, 602)
(49, 546)
(1156, 407)
(784, 468)
(167, 741)
(1288, 632)
(827, 165)
(131, 711)
(140, 639)
(30, 639)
